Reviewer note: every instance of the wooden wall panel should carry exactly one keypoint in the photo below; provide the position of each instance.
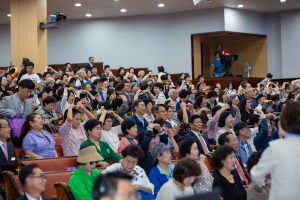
(197, 56)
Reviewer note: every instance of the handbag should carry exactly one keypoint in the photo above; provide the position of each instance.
(16, 125)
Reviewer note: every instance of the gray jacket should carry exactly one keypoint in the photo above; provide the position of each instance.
(9, 106)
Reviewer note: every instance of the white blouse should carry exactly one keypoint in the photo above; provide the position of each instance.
(111, 137)
(170, 191)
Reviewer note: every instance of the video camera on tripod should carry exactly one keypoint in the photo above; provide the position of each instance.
(226, 60)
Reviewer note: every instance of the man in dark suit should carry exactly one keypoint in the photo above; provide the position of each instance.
(239, 171)
(90, 64)
(34, 181)
(196, 132)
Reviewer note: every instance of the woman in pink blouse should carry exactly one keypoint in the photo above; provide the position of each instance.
(72, 131)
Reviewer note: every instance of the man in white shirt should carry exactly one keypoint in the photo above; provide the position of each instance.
(30, 75)
(173, 95)
(34, 181)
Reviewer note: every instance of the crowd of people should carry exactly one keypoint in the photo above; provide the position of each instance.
(158, 119)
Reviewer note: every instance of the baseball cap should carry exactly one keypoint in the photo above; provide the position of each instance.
(240, 125)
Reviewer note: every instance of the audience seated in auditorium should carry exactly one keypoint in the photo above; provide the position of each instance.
(34, 181)
(144, 92)
(158, 91)
(183, 95)
(81, 79)
(223, 97)
(37, 142)
(265, 135)
(196, 133)
(246, 110)
(130, 131)
(174, 118)
(170, 114)
(203, 183)
(243, 133)
(93, 129)
(224, 158)
(148, 116)
(72, 130)
(126, 92)
(281, 158)
(131, 155)
(47, 112)
(230, 89)
(163, 170)
(147, 139)
(116, 185)
(239, 170)
(110, 134)
(83, 178)
(134, 88)
(225, 124)
(138, 117)
(255, 192)
(202, 110)
(211, 99)
(68, 98)
(102, 93)
(120, 107)
(184, 174)
(111, 95)
(173, 96)
(250, 95)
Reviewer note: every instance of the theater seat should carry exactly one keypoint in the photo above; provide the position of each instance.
(63, 191)
(20, 151)
(11, 185)
(53, 164)
(57, 140)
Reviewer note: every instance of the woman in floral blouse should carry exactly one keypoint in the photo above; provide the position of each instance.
(203, 183)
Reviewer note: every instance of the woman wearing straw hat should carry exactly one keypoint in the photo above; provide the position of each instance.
(83, 178)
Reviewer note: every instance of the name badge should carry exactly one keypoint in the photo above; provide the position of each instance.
(13, 158)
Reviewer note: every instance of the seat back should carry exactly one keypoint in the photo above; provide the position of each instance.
(13, 190)
(57, 140)
(63, 191)
(58, 148)
(210, 162)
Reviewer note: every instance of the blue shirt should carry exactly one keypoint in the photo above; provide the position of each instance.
(192, 100)
(217, 63)
(140, 118)
(101, 96)
(291, 135)
(42, 145)
(170, 167)
(130, 140)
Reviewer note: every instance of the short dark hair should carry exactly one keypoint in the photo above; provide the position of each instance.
(199, 100)
(243, 103)
(274, 97)
(161, 69)
(134, 151)
(164, 77)
(45, 74)
(259, 97)
(220, 154)
(184, 93)
(216, 53)
(72, 80)
(40, 95)
(119, 86)
(254, 119)
(27, 83)
(214, 110)
(223, 138)
(253, 159)
(185, 146)
(291, 96)
(90, 124)
(26, 171)
(118, 75)
(106, 66)
(79, 67)
(280, 106)
(142, 135)
(74, 111)
(116, 102)
(223, 117)
(29, 64)
(186, 167)
(127, 124)
(48, 89)
(136, 103)
(97, 81)
(48, 100)
(229, 85)
(119, 70)
(186, 76)
(25, 61)
(159, 121)
(83, 86)
(144, 86)
(110, 80)
(193, 117)
(93, 92)
(290, 118)
(60, 92)
(90, 58)
(211, 93)
(269, 75)
(146, 101)
(180, 114)
(106, 185)
(159, 85)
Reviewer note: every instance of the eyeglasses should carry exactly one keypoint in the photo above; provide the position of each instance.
(95, 162)
(42, 176)
(165, 126)
(245, 129)
(164, 111)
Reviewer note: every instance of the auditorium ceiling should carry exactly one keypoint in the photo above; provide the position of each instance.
(111, 8)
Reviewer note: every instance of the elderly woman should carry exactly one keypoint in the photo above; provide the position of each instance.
(224, 159)
(81, 79)
(93, 129)
(82, 180)
(225, 123)
(246, 110)
(129, 128)
(148, 112)
(131, 155)
(72, 130)
(36, 142)
(141, 73)
(202, 110)
(163, 171)
(185, 173)
(47, 110)
(110, 134)
(174, 117)
(203, 183)
(50, 82)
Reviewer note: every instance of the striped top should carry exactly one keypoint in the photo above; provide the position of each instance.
(72, 138)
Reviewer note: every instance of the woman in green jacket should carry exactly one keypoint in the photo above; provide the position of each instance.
(83, 178)
(93, 130)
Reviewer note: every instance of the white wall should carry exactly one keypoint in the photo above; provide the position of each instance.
(290, 43)
(5, 48)
(140, 41)
(274, 45)
(243, 21)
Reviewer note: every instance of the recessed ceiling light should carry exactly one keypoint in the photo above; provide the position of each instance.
(8, 15)
(77, 4)
(123, 10)
(88, 15)
(240, 6)
(161, 5)
(282, 0)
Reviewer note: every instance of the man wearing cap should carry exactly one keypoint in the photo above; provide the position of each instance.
(243, 133)
(83, 178)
